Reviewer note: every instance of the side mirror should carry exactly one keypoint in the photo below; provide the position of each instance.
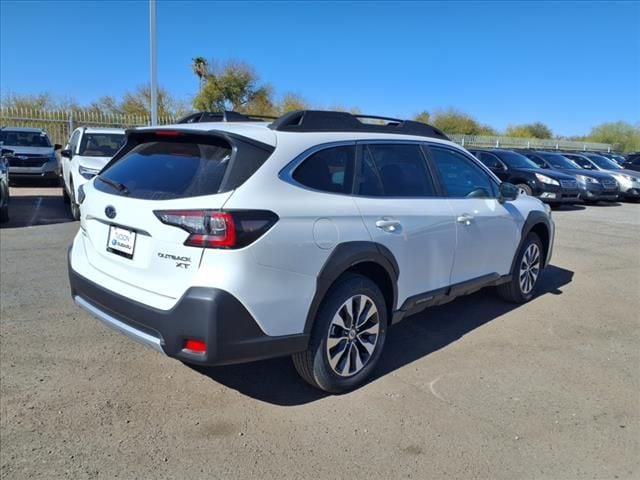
(6, 151)
(508, 192)
(66, 153)
(57, 146)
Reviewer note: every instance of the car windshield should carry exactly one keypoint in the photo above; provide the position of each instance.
(618, 158)
(516, 160)
(604, 162)
(101, 144)
(16, 138)
(558, 161)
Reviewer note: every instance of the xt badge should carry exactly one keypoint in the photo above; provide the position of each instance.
(181, 262)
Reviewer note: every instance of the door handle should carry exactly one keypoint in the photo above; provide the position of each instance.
(390, 226)
(465, 218)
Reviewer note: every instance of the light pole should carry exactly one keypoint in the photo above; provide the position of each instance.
(154, 61)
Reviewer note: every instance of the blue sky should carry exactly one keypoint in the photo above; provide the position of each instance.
(571, 65)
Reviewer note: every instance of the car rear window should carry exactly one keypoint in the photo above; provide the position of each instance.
(167, 164)
(165, 170)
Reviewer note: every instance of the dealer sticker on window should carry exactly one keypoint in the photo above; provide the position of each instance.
(121, 241)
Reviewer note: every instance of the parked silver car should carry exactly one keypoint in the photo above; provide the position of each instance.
(33, 157)
(628, 180)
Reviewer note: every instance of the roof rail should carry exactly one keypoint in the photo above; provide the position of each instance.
(224, 116)
(329, 121)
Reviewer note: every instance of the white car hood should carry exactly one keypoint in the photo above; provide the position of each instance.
(94, 163)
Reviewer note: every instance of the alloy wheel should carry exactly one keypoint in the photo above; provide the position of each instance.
(353, 335)
(529, 268)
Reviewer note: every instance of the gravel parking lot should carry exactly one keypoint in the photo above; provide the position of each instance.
(473, 389)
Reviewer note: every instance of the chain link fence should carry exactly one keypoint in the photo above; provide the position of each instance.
(60, 124)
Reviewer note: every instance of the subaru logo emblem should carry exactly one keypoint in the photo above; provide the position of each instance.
(110, 212)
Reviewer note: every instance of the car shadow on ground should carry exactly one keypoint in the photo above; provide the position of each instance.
(276, 381)
(32, 210)
(605, 204)
(569, 208)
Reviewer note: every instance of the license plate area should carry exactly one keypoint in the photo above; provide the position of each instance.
(121, 241)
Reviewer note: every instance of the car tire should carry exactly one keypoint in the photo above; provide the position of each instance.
(73, 206)
(340, 356)
(527, 272)
(65, 195)
(526, 188)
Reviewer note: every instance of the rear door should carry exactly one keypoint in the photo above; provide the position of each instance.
(487, 231)
(403, 211)
(124, 236)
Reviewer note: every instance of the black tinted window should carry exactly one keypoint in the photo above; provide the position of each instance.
(537, 160)
(489, 160)
(396, 170)
(461, 177)
(329, 170)
(167, 170)
(583, 162)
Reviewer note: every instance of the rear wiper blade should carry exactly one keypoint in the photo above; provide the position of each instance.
(117, 185)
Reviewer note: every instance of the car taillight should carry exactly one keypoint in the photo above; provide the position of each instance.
(216, 229)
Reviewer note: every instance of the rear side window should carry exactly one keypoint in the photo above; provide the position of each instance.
(329, 170)
(537, 160)
(166, 170)
(489, 160)
(394, 170)
(461, 177)
(580, 161)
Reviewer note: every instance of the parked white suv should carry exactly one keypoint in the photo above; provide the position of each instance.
(218, 243)
(88, 150)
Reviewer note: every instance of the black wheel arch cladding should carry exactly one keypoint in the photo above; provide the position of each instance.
(537, 222)
(347, 257)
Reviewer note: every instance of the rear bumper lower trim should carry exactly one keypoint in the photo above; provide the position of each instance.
(119, 326)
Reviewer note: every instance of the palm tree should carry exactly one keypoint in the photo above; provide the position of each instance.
(200, 67)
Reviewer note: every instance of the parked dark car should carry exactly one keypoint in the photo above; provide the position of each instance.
(4, 185)
(550, 186)
(632, 162)
(616, 157)
(594, 186)
(628, 180)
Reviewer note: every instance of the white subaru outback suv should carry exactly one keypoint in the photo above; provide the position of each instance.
(88, 150)
(219, 243)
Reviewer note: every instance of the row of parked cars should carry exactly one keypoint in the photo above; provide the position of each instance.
(555, 177)
(563, 177)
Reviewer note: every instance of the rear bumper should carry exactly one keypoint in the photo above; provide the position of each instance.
(206, 314)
